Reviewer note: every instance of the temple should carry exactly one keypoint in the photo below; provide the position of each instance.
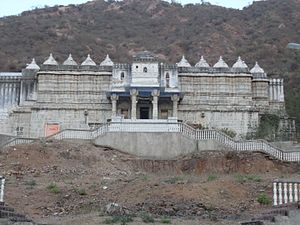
(44, 99)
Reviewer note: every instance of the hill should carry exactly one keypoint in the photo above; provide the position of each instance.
(259, 32)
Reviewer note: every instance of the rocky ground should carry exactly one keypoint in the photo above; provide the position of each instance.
(78, 183)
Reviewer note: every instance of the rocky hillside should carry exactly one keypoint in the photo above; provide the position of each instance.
(77, 181)
(259, 32)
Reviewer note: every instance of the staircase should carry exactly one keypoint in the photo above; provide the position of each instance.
(171, 127)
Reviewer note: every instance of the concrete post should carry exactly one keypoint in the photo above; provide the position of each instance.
(280, 193)
(2, 189)
(134, 93)
(275, 194)
(285, 194)
(114, 98)
(175, 99)
(155, 94)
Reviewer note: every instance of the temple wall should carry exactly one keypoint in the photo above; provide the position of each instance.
(213, 92)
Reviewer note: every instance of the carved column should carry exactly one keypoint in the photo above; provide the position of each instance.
(155, 94)
(134, 93)
(114, 98)
(175, 100)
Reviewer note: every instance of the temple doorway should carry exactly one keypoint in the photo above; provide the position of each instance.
(144, 113)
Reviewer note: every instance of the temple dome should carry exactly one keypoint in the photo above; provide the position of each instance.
(70, 61)
(50, 61)
(183, 62)
(221, 63)
(257, 69)
(202, 63)
(107, 62)
(33, 66)
(240, 64)
(88, 61)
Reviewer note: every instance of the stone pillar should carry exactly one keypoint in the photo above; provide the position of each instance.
(134, 93)
(175, 100)
(114, 98)
(155, 95)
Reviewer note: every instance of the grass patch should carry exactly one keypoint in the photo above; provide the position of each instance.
(264, 199)
(247, 178)
(53, 188)
(173, 180)
(30, 184)
(146, 217)
(212, 177)
(165, 220)
(119, 219)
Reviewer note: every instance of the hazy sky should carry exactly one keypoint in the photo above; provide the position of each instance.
(14, 7)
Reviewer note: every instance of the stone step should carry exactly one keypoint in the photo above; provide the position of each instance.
(6, 208)
(16, 217)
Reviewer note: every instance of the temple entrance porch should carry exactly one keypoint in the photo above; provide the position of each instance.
(144, 105)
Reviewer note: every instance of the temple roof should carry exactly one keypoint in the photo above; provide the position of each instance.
(107, 62)
(183, 62)
(70, 61)
(240, 64)
(51, 61)
(221, 63)
(33, 65)
(144, 55)
(202, 63)
(257, 69)
(88, 61)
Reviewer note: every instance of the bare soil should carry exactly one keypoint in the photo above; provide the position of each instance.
(73, 182)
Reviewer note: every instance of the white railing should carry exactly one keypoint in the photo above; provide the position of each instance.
(18, 141)
(285, 192)
(2, 183)
(169, 126)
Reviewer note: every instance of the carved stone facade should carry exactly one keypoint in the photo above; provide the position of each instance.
(45, 99)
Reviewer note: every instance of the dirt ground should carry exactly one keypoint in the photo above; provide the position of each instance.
(74, 182)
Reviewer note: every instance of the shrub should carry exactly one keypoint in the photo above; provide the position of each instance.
(53, 188)
(228, 132)
(146, 217)
(173, 180)
(30, 183)
(264, 199)
(123, 219)
(165, 220)
(81, 192)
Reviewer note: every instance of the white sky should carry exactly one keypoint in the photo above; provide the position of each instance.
(14, 7)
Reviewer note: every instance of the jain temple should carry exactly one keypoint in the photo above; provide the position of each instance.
(45, 99)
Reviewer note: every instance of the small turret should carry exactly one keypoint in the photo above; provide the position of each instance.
(221, 64)
(88, 61)
(50, 61)
(107, 62)
(70, 61)
(183, 62)
(240, 64)
(202, 63)
(33, 66)
(257, 69)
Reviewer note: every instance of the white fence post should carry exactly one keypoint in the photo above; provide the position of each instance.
(275, 193)
(2, 189)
